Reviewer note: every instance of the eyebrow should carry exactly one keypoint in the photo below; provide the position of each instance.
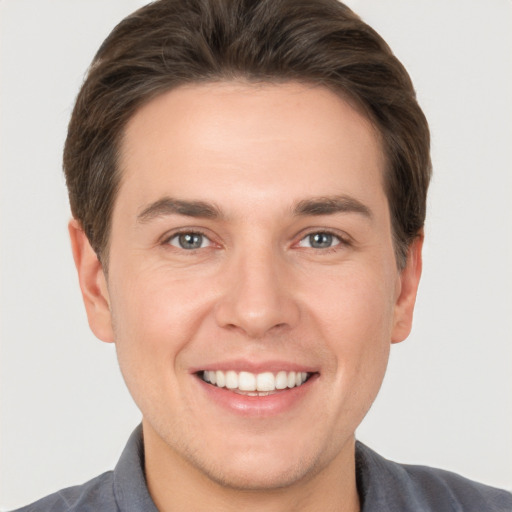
(170, 206)
(330, 205)
(316, 206)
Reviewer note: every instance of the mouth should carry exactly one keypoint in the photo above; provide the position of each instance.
(264, 390)
(255, 384)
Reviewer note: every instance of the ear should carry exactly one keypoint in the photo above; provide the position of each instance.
(92, 283)
(409, 281)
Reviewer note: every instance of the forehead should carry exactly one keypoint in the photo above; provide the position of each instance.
(266, 137)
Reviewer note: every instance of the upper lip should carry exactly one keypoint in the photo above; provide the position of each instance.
(243, 365)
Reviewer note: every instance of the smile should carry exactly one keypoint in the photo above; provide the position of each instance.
(260, 384)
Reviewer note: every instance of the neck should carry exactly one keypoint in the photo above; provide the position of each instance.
(176, 484)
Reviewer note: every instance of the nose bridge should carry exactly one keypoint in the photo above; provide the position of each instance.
(257, 296)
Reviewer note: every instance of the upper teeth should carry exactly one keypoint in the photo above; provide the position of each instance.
(246, 381)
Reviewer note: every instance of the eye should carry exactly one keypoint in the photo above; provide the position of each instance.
(320, 240)
(189, 241)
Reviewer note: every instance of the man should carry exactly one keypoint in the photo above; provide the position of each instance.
(248, 185)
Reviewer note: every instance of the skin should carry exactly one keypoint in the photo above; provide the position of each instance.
(256, 291)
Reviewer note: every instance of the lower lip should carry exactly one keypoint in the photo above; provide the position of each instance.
(257, 406)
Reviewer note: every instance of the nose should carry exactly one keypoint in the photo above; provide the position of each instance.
(258, 296)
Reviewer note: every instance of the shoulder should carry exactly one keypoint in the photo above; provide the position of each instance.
(438, 487)
(95, 495)
(122, 489)
(402, 487)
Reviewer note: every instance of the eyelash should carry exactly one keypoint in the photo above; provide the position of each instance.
(167, 240)
(336, 239)
(341, 240)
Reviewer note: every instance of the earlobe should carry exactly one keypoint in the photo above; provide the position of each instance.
(92, 283)
(406, 299)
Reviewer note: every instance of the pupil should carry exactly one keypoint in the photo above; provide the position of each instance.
(320, 240)
(191, 240)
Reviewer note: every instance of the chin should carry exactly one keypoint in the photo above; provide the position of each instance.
(260, 465)
(261, 475)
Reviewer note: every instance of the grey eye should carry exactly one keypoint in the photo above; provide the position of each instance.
(319, 240)
(189, 241)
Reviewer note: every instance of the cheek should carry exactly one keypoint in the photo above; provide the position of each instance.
(354, 313)
(155, 316)
(154, 319)
(354, 307)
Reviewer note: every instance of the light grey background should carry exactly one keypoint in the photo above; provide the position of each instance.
(65, 414)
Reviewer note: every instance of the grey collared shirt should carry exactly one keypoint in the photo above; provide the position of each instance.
(384, 486)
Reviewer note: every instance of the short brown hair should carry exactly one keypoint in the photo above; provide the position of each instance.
(173, 42)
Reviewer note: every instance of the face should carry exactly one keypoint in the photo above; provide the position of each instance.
(253, 291)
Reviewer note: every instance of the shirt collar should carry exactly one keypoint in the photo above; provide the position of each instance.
(130, 488)
(384, 485)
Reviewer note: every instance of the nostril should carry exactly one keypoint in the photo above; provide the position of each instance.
(256, 307)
